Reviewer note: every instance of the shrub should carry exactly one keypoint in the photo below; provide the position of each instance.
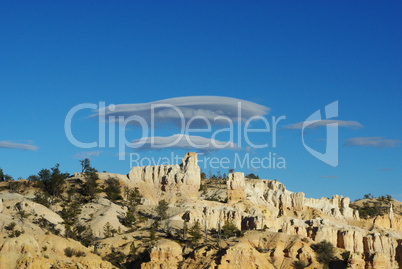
(10, 226)
(116, 258)
(299, 265)
(325, 252)
(15, 233)
(345, 255)
(70, 212)
(204, 189)
(79, 253)
(69, 252)
(229, 229)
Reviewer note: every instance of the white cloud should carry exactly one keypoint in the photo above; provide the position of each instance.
(173, 109)
(12, 145)
(87, 154)
(377, 142)
(182, 141)
(315, 124)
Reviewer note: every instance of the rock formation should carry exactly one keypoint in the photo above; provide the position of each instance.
(169, 179)
(235, 187)
(279, 226)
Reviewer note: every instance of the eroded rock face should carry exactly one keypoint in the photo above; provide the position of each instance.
(337, 207)
(184, 178)
(214, 215)
(165, 254)
(369, 249)
(235, 187)
(243, 255)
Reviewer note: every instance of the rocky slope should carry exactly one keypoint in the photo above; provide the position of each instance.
(278, 227)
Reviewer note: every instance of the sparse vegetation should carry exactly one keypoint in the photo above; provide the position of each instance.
(42, 198)
(373, 207)
(70, 252)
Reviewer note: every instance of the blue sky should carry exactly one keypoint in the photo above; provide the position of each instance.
(290, 57)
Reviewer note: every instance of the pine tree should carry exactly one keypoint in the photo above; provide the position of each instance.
(195, 233)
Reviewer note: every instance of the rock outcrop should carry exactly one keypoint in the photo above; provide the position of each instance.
(169, 179)
(235, 187)
(165, 254)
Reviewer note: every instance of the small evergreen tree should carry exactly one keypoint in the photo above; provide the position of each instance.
(2, 175)
(90, 185)
(85, 164)
(229, 229)
(161, 209)
(195, 233)
(108, 230)
(152, 234)
(112, 189)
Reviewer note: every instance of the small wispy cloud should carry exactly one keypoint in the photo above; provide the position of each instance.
(386, 169)
(377, 142)
(315, 124)
(12, 145)
(182, 141)
(87, 154)
(329, 176)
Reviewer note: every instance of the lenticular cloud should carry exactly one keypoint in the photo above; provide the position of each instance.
(212, 108)
(182, 141)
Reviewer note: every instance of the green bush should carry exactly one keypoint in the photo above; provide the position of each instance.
(299, 265)
(80, 253)
(195, 233)
(129, 219)
(112, 189)
(117, 258)
(10, 226)
(229, 229)
(325, 252)
(161, 209)
(345, 255)
(69, 252)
